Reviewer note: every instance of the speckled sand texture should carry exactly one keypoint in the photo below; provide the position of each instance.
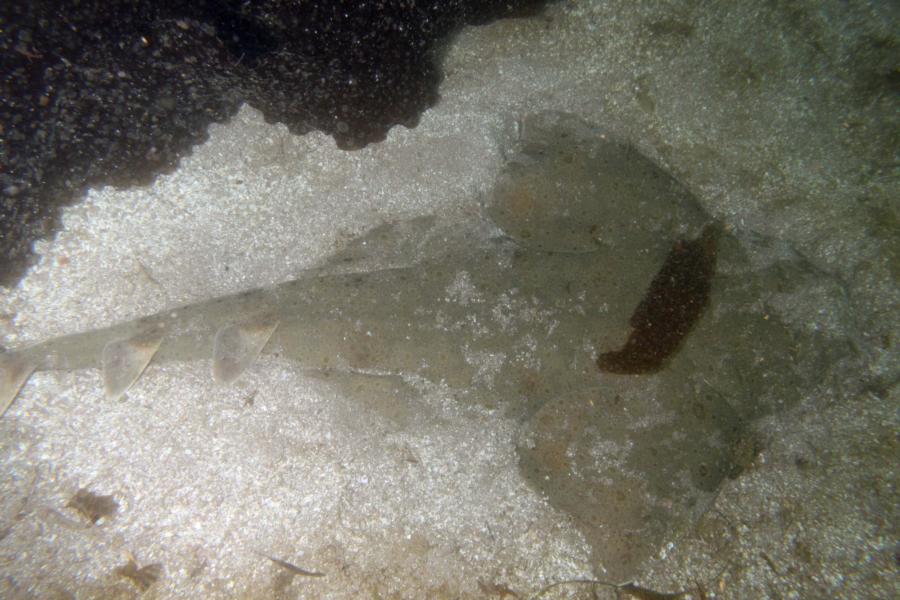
(777, 119)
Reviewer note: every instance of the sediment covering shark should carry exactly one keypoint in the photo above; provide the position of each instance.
(510, 309)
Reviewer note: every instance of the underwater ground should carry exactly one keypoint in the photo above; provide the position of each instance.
(778, 119)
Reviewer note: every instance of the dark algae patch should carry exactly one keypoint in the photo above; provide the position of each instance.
(91, 506)
(623, 591)
(141, 577)
(675, 300)
(293, 569)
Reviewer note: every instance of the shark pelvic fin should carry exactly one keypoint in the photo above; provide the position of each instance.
(123, 361)
(237, 346)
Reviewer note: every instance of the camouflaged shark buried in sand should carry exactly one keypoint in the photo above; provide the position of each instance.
(594, 300)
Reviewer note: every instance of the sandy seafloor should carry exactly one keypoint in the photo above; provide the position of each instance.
(778, 117)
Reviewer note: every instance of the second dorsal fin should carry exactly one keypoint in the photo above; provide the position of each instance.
(123, 361)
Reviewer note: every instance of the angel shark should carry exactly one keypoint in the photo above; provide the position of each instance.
(593, 299)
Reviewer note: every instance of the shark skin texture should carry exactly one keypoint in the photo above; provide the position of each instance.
(593, 300)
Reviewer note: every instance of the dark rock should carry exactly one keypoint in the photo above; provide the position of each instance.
(115, 92)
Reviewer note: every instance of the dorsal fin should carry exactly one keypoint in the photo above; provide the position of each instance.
(237, 346)
(123, 361)
(15, 370)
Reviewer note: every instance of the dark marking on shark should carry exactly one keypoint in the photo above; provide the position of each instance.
(676, 299)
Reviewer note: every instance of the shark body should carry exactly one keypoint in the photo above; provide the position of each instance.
(484, 315)
(588, 264)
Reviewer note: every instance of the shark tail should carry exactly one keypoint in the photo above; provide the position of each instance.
(123, 361)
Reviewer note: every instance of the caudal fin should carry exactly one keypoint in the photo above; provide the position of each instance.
(14, 372)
